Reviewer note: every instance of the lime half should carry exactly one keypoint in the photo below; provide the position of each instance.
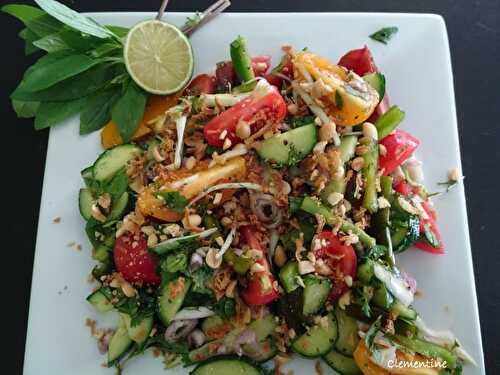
(159, 57)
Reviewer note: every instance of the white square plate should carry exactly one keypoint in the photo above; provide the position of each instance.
(418, 69)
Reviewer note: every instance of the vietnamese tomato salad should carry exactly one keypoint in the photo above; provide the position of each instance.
(259, 212)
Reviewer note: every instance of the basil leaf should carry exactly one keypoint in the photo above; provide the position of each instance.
(22, 12)
(75, 87)
(29, 37)
(78, 41)
(173, 200)
(51, 43)
(97, 111)
(42, 75)
(25, 109)
(384, 34)
(128, 110)
(117, 186)
(74, 19)
(44, 25)
(52, 113)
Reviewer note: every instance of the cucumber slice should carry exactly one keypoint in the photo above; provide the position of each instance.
(205, 351)
(261, 352)
(119, 344)
(140, 332)
(315, 293)
(102, 253)
(99, 300)
(226, 366)
(263, 327)
(348, 338)
(318, 341)
(168, 306)
(290, 147)
(119, 207)
(85, 202)
(114, 159)
(377, 81)
(382, 297)
(288, 276)
(344, 365)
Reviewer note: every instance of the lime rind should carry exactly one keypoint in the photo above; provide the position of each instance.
(158, 57)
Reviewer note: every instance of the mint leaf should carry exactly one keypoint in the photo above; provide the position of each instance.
(384, 34)
(25, 109)
(71, 88)
(128, 110)
(97, 110)
(52, 113)
(43, 75)
(173, 200)
(200, 278)
(74, 19)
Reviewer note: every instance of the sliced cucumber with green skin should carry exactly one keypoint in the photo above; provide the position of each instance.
(315, 293)
(114, 159)
(210, 323)
(382, 297)
(100, 302)
(88, 176)
(119, 207)
(288, 276)
(264, 327)
(377, 81)
(119, 344)
(343, 364)
(290, 147)
(205, 351)
(167, 305)
(319, 340)
(261, 352)
(102, 253)
(230, 365)
(348, 337)
(85, 202)
(140, 332)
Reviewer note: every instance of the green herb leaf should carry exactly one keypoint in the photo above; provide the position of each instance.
(118, 30)
(74, 19)
(25, 109)
(175, 263)
(372, 332)
(192, 21)
(44, 25)
(294, 204)
(339, 102)
(97, 110)
(297, 122)
(24, 13)
(52, 113)
(128, 110)
(200, 278)
(117, 186)
(74, 87)
(51, 43)
(29, 37)
(173, 200)
(43, 75)
(384, 34)
(225, 308)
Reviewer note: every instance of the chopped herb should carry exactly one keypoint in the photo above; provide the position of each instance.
(225, 308)
(175, 262)
(449, 184)
(339, 102)
(200, 278)
(173, 200)
(384, 34)
(294, 204)
(192, 21)
(297, 122)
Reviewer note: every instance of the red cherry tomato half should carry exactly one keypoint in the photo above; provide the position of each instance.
(260, 289)
(201, 84)
(431, 224)
(255, 110)
(399, 146)
(340, 258)
(134, 261)
(359, 60)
